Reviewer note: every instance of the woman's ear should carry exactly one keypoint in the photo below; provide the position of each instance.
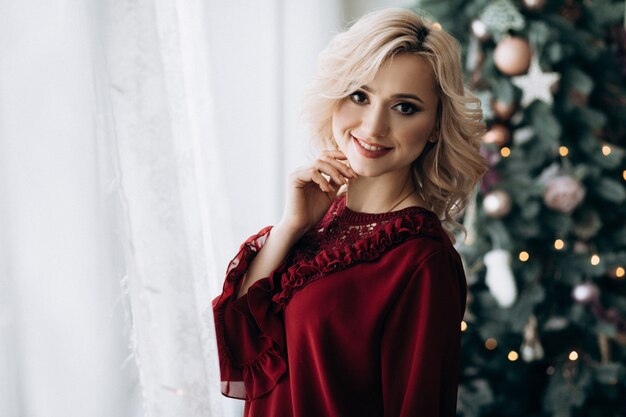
(434, 134)
(429, 145)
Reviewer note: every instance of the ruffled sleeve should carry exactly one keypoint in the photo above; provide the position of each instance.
(420, 350)
(250, 330)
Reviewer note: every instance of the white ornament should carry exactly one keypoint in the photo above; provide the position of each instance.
(480, 29)
(586, 293)
(536, 84)
(497, 204)
(500, 278)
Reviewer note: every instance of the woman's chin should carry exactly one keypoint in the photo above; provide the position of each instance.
(365, 172)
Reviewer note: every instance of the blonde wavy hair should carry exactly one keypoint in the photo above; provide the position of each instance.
(448, 169)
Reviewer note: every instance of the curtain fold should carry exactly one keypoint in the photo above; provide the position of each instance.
(172, 210)
(62, 338)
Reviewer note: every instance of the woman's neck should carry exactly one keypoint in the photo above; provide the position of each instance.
(392, 191)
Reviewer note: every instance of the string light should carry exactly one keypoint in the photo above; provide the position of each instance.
(505, 151)
(559, 244)
(563, 151)
(619, 272)
(606, 150)
(524, 256)
(573, 355)
(513, 356)
(624, 174)
(595, 260)
(463, 326)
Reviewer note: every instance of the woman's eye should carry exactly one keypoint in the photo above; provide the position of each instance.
(405, 108)
(358, 97)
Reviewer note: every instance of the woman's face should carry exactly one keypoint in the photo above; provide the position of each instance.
(383, 126)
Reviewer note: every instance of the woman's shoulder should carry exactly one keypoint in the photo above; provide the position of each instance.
(426, 246)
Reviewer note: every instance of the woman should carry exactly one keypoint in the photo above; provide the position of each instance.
(351, 305)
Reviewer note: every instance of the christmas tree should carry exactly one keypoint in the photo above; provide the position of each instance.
(544, 332)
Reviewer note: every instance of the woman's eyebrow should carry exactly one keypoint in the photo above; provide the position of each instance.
(399, 95)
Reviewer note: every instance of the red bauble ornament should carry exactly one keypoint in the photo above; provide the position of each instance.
(570, 10)
(512, 55)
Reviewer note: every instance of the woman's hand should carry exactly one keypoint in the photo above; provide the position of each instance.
(310, 194)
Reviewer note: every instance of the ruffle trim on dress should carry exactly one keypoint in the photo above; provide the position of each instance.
(255, 378)
(259, 376)
(383, 238)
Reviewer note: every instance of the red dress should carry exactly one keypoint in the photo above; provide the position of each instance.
(361, 319)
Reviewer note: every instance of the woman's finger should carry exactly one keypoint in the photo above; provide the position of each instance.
(334, 153)
(303, 177)
(317, 177)
(346, 170)
(338, 156)
(332, 171)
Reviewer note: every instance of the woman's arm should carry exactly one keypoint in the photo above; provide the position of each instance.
(274, 251)
(420, 349)
(309, 196)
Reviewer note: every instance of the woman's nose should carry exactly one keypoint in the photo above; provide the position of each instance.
(374, 122)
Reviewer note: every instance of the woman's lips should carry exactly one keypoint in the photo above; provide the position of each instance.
(368, 153)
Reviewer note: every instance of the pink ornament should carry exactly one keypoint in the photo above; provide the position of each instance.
(512, 55)
(563, 194)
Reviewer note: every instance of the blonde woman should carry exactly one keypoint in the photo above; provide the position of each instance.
(351, 305)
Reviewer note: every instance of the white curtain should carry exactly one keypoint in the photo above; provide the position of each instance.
(62, 334)
(171, 201)
(109, 184)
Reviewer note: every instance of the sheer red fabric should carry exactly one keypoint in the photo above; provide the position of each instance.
(361, 319)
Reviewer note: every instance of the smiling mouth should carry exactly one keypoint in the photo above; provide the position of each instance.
(369, 150)
(369, 147)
